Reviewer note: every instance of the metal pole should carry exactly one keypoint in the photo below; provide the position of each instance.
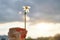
(25, 19)
(26, 9)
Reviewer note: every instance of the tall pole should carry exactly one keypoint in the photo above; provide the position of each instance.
(25, 19)
(26, 10)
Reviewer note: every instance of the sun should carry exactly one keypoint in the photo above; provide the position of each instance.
(42, 26)
(40, 29)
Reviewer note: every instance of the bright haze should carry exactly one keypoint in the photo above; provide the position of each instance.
(42, 20)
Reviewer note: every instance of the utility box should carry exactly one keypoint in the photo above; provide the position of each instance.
(17, 34)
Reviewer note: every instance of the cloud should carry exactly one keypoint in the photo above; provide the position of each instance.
(46, 10)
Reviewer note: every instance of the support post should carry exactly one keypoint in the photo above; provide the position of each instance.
(25, 19)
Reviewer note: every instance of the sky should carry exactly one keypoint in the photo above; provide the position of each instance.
(42, 12)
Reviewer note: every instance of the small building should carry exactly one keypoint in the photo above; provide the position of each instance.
(17, 34)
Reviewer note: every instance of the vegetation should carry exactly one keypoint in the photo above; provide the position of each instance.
(56, 37)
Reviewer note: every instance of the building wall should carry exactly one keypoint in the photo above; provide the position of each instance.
(17, 34)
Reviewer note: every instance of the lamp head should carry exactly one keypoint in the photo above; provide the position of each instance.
(26, 8)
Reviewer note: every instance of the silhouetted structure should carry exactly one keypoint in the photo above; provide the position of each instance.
(3, 37)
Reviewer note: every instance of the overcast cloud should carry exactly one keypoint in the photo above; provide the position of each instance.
(46, 10)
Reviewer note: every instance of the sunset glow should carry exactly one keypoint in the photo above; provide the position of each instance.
(36, 30)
